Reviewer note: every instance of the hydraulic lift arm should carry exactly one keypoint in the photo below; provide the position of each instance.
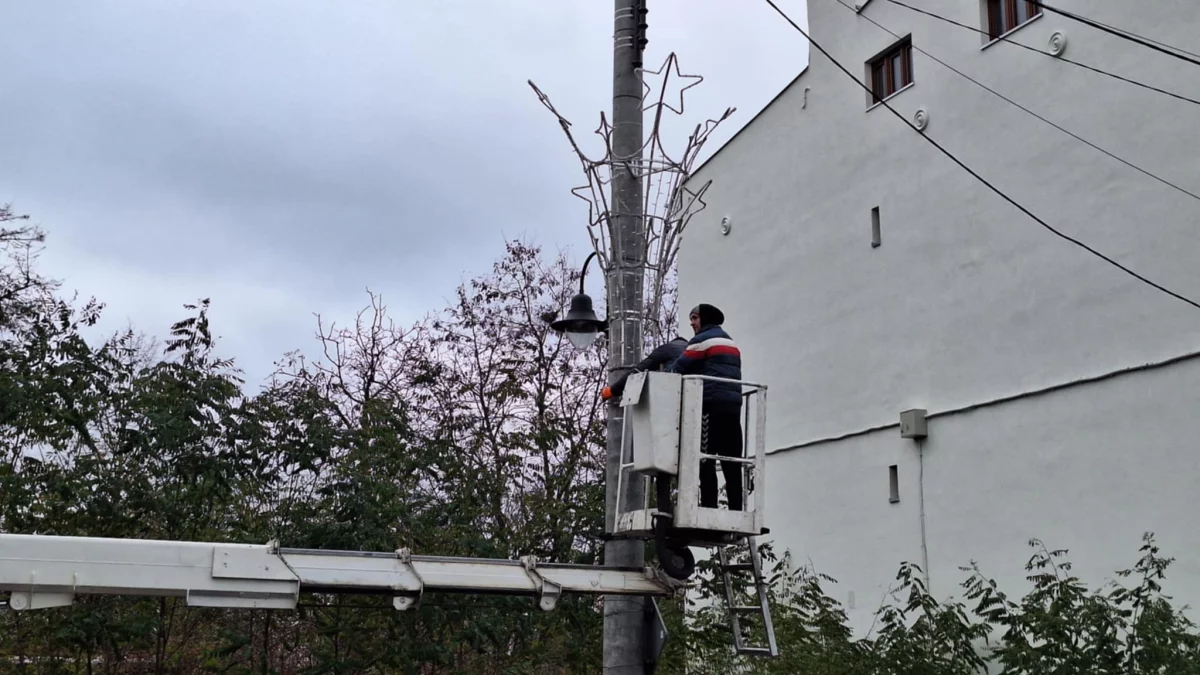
(48, 571)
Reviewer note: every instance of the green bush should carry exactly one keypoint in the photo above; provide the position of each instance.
(1059, 627)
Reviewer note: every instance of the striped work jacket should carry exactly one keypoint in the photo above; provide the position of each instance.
(712, 352)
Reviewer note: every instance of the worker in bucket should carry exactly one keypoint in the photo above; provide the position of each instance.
(659, 359)
(713, 353)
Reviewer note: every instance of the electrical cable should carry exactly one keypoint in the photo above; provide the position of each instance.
(1004, 38)
(976, 175)
(1181, 50)
(1181, 54)
(1008, 100)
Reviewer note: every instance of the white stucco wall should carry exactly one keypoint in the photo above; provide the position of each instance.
(1089, 469)
(968, 300)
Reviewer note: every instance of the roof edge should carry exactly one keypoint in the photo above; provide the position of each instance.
(749, 122)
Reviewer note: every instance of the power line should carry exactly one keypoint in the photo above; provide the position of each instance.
(975, 175)
(1151, 40)
(1064, 59)
(1181, 54)
(1008, 100)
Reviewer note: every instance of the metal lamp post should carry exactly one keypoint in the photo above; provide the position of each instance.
(628, 645)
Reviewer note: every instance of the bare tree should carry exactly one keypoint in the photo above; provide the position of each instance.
(510, 397)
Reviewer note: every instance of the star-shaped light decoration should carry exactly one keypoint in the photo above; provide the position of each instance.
(657, 96)
(669, 201)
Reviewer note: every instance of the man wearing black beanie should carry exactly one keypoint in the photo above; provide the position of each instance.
(713, 353)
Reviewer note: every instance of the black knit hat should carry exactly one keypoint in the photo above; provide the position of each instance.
(709, 315)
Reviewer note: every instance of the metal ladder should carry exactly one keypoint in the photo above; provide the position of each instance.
(761, 609)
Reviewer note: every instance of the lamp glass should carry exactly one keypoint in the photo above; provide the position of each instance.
(582, 340)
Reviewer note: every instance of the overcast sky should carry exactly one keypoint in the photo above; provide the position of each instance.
(282, 156)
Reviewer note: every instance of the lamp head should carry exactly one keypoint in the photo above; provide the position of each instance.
(581, 325)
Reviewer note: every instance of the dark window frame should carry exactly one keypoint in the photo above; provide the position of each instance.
(1005, 16)
(884, 68)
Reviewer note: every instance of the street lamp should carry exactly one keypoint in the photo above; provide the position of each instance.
(581, 324)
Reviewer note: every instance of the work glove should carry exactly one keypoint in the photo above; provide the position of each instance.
(606, 393)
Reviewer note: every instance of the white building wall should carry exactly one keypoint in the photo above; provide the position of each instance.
(968, 300)
(1087, 468)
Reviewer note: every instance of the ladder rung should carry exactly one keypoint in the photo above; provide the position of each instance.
(747, 609)
(764, 651)
(738, 567)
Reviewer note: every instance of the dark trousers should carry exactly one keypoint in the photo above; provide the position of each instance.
(721, 434)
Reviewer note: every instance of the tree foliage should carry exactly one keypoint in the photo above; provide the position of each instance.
(1059, 627)
(473, 432)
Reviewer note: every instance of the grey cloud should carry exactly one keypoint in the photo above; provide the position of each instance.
(282, 155)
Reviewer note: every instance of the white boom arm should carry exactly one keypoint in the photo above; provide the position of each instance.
(48, 571)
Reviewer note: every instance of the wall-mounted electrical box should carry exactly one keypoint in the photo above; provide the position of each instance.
(913, 424)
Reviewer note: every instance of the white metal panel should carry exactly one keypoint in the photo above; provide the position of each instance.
(83, 565)
(254, 562)
(327, 569)
(633, 389)
(29, 600)
(654, 420)
(719, 520)
(760, 460)
(43, 571)
(241, 599)
(691, 419)
(639, 522)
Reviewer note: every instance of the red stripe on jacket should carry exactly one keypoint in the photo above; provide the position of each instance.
(714, 350)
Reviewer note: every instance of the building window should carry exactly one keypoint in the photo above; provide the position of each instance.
(1006, 15)
(894, 484)
(891, 71)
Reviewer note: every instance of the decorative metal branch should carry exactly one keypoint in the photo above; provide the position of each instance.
(669, 200)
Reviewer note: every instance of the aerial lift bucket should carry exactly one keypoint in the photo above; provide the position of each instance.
(662, 442)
